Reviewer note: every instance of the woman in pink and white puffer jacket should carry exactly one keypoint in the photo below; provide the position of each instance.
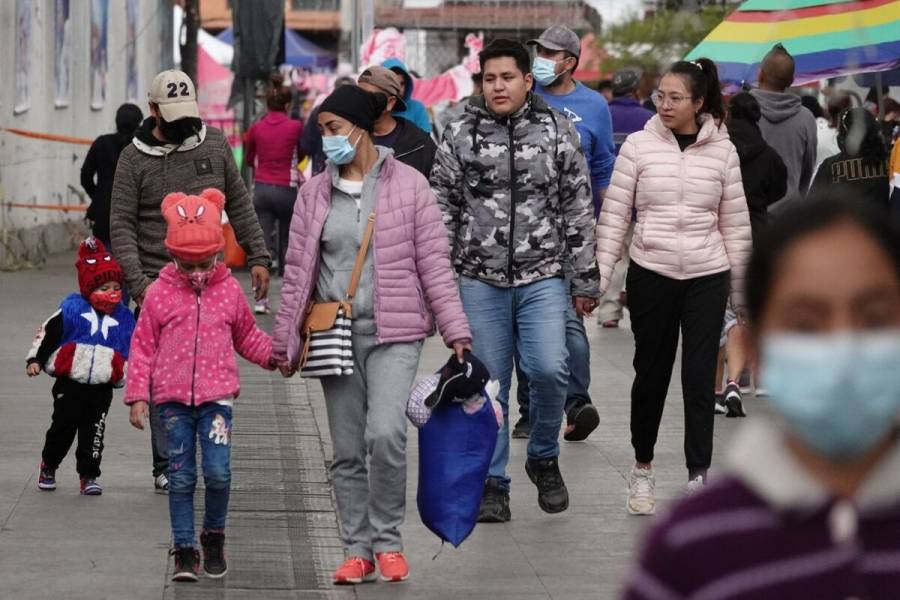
(691, 243)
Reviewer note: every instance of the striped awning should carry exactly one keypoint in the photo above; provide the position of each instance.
(827, 38)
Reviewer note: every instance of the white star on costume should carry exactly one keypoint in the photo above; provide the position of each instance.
(105, 323)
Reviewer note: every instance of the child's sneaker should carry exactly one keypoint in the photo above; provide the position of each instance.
(354, 570)
(187, 564)
(161, 484)
(213, 544)
(90, 487)
(261, 307)
(393, 566)
(47, 478)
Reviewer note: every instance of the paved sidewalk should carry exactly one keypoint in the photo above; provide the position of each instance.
(282, 531)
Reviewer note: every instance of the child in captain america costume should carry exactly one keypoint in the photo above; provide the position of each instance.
(84, 345)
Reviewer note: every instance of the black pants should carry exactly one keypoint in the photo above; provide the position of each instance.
(157, 432)
(275, 203)
(77, 409)
(659, 308)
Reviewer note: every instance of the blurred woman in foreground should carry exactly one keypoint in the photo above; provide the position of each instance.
(810, 507)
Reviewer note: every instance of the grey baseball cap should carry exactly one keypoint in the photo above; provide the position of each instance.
(626, 80)
(558, 37)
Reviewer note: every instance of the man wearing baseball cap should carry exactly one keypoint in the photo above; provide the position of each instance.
(557, 51)
(628, 116)
(174, 151)
(410, 144)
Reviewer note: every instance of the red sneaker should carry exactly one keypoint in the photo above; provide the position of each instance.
(393, 566)
(354, 570)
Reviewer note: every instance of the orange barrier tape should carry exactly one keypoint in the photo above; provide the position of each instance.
(62, 207)
(48, 136)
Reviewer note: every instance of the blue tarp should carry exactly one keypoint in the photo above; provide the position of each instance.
(298, 51)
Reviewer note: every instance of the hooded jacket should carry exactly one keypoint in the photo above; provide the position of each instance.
(414, 147)
(148, 170)
(415, 110)
(516, 197)
(183, 346)
(791, 130)
(762, 171)
(692, 218)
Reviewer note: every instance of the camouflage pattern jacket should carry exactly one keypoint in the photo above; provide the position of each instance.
(522, 216)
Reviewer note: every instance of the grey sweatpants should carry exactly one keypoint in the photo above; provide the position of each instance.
(367, 420)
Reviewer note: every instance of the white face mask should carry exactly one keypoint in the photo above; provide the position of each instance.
(839, 393)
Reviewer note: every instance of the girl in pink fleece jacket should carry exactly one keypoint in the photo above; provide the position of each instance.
(182, 358)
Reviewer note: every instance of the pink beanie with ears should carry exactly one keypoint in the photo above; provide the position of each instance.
(195, 224)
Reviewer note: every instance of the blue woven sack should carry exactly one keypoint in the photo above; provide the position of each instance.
(455, 451)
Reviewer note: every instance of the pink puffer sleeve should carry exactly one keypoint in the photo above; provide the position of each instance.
(615, 216)
(433, 266)
(734, 225)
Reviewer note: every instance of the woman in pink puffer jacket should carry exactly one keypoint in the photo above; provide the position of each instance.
(407, 276)
(691, 242)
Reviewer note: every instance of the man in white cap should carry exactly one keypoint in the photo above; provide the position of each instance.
(173, 151)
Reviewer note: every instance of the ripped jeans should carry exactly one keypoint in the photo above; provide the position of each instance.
(212, 423)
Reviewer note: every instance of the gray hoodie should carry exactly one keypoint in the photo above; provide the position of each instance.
(790, 128)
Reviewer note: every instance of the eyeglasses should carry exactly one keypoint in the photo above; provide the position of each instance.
(674, 100)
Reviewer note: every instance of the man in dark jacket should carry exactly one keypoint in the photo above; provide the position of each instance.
(99, 168)
(410, 144)
(515, 190)
(173, 151)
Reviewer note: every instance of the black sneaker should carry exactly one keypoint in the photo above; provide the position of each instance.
(553, 497)
(580, 422)
(494, 503)
(213, 544)
(734, 401)
(187, 564)
(522, 429)
(721, 409)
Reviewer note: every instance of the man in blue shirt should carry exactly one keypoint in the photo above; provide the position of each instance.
(557, 51)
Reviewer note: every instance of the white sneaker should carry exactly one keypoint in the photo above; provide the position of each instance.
(261, 307)
(695, 485)
(161, 484)
(641, 483)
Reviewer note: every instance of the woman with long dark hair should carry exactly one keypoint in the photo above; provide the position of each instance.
(272, 148)
(861, 167)
(691, 242)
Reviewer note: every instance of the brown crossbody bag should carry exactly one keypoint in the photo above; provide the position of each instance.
(322, 317)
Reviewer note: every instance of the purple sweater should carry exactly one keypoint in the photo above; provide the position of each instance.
(768, 531)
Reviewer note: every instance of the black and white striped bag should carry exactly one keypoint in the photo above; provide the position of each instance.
(331, 351)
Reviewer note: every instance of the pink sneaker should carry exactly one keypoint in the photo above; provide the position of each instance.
(354, 570)
(393, 566)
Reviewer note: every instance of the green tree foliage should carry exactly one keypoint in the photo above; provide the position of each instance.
(656, 41)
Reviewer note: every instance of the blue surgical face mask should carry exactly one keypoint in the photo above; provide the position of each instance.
(544, 70)
(838, 393)
(338, 147)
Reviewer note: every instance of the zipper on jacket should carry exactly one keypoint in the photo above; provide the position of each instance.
(196, 344)
(408, 152)
(513, 184)
(679, 231)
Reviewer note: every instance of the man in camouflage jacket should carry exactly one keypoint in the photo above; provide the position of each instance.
(514, 187)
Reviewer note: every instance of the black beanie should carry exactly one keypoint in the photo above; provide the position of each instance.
(358, 106)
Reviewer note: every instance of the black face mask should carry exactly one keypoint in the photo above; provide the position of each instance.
(180, 130)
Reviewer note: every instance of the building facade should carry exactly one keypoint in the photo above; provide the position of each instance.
(70, 65)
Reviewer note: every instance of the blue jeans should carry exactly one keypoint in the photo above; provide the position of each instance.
(579, 367)
(529, 321)
(212, 423)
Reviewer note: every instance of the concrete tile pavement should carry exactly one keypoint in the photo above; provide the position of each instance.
(62, 545)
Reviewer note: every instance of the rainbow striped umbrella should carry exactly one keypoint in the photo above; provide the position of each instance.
(827, 38)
